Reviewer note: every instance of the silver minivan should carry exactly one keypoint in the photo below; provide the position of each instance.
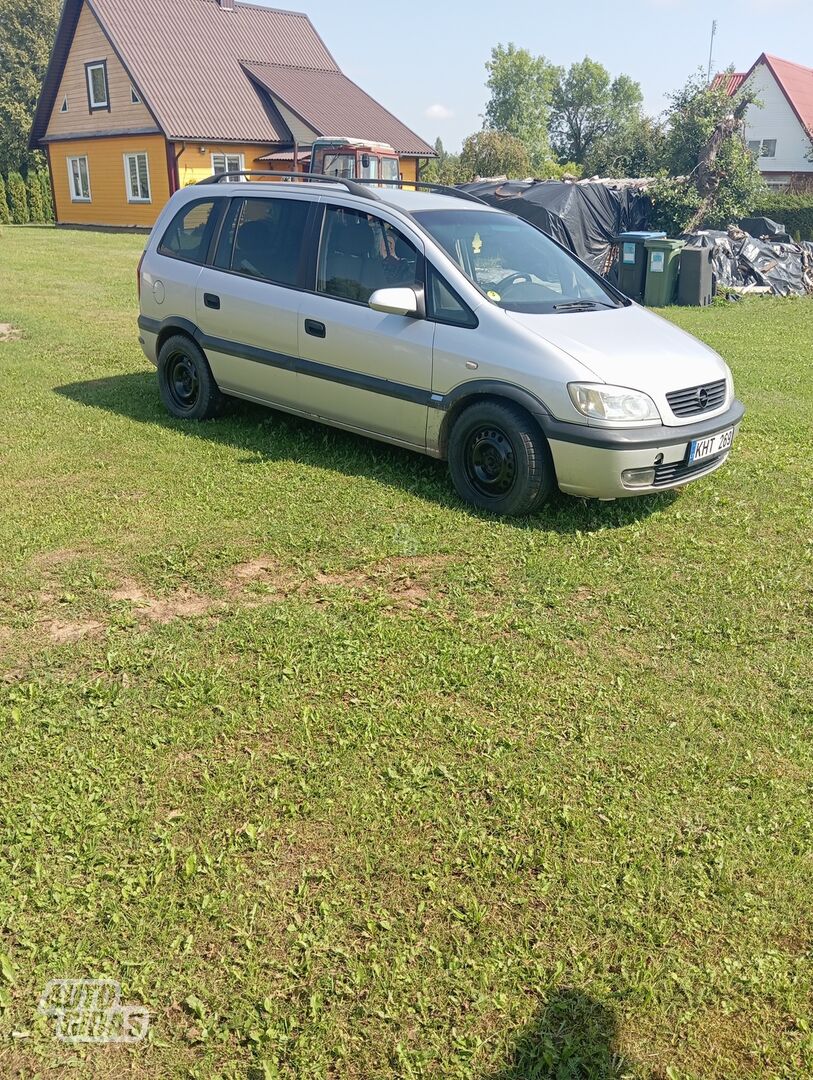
(430, 320)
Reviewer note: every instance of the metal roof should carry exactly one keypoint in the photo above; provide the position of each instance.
(330, 104)
(190, 60)
(730, 81)
(794, 80)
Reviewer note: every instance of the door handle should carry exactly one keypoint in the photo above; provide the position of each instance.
(314, 328)
(212, 301)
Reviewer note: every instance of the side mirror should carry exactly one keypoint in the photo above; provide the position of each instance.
(403, 301)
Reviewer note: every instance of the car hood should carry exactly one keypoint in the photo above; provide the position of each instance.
(629, 346)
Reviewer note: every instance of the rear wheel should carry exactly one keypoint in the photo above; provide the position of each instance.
(499, 459)
(187, 386)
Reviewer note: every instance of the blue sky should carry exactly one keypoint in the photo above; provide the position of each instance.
(424, 59)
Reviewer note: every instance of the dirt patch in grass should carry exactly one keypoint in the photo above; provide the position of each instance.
(9, 332)
(180, 605)
(50, 560)
(62, 633)
(401, 584)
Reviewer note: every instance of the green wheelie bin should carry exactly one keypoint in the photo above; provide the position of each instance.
(632, 262)
(662, 263)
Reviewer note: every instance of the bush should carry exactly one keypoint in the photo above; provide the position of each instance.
(17, 200)
(675, 201)
(795, 212)
(5, 216)
(47, 195)
(494, 153)
(36, 209)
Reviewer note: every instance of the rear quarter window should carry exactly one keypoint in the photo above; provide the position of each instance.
(190, 231)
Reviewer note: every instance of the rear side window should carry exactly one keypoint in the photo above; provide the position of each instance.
(262, 238)
(190, 232)
(360, 253)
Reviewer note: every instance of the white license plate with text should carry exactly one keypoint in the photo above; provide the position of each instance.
(711, 445)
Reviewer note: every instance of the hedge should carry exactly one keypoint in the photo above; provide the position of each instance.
(17, 199)
(795, 212)
(5, 216)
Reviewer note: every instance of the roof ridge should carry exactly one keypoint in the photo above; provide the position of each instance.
(292, 67)
(790, 63)
(265, 7)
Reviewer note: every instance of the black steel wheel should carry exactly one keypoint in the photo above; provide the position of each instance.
(490, 462)
(499, 458)
(187, 386)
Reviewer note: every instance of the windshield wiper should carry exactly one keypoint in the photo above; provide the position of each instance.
(581, 305)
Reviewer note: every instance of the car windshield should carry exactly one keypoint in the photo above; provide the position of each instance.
(517, 266)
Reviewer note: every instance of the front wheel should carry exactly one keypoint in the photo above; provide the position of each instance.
(499, 459)
(187, 386)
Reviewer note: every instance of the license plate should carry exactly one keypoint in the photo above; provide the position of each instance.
(711, 445)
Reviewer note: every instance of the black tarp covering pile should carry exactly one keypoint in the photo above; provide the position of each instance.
(585, 217)
(741, 260)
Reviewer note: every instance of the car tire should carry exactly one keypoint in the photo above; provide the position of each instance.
(188, 389)
(499, 459)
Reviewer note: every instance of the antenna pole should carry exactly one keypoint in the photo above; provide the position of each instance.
(711, 48)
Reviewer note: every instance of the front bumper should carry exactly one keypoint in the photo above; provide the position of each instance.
(590, 461)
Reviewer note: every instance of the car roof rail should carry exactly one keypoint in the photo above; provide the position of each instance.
(350, 185)
(425, 185)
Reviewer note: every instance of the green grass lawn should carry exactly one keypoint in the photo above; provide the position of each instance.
(341, 779)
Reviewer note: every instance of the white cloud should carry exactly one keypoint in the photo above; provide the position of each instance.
(438, 112)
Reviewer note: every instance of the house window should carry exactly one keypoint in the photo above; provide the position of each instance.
(225, 163)
(137, 173)
(98, 97)
(134, 98)
(79, 179)
(64, 107)
(762, 147)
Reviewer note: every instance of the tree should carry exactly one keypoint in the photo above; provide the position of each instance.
(47, 195)
(638, 150)
(36, 208)
(17, 199)
(714, 176)
(589, 107)
(5, 216)
(521, 86)
(444, 169)
(494, 153)
(27, 30)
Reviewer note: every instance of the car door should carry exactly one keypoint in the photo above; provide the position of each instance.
(359, 367)
(247, 302)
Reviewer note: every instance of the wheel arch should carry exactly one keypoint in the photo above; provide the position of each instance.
(176, 326)
(486, 390)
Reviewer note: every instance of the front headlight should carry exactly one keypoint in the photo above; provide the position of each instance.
(602, 402)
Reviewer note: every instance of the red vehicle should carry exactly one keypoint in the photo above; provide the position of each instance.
(355, 159)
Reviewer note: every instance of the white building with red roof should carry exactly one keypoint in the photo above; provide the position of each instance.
(781, 131)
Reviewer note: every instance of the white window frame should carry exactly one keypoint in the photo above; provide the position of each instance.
(64, 106)
(241, 165)
(135, 97)
(136, 197)
(764, 148)
(90, 68)
(80, 198)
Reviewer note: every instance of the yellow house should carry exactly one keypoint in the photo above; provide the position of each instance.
(142, 97)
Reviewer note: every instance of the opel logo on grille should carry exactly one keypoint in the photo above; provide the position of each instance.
(702, 397)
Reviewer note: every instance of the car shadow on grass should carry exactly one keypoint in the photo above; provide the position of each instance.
(269, 434)
(574, 1037)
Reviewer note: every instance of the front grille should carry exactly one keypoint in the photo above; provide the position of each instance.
(675, 471)
(697, 399)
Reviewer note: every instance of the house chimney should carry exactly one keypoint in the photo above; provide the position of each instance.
(226, 5)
